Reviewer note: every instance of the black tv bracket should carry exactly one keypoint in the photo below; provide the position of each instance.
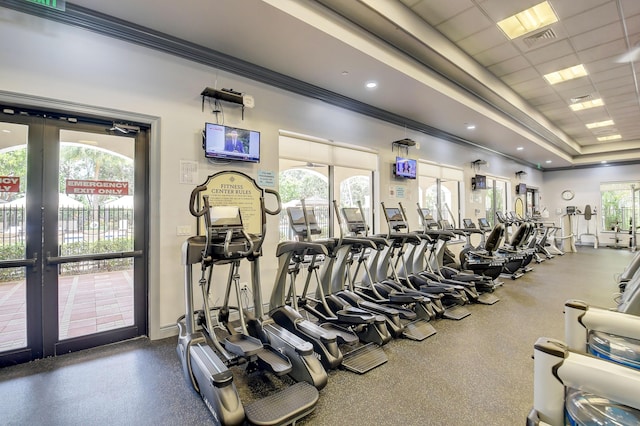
(225, 95)
(403, 144)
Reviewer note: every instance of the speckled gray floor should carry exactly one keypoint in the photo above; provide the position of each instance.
(477, 371)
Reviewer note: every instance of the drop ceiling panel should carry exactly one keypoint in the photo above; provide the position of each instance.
(630, 7)
(533, 86)
(625, 81)
(548, 99)
(481, 41)
(574, 88)
(436, 13)
(497, 54)
(509, 66)
(521, 76)
(605, 64)
(558, 64)
(612, 74)
(591, 19)
(500, 9)
(469, 22)
(550, 52)
(612, 50)
(568, 8)
(598, 36)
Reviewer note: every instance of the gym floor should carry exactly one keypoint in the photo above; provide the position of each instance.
(477, 371)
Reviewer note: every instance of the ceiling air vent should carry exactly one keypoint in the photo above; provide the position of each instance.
(583, 98)
(537, 38)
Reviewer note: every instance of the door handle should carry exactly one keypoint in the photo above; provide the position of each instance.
(18, 263)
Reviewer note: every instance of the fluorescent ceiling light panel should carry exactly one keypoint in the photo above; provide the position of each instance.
(609, 138)
(528, 20)
(566, 74)
(586, 105)
(597, 124)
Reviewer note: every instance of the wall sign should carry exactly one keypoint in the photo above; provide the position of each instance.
(96, 187)
(235, 189)
(9, 183)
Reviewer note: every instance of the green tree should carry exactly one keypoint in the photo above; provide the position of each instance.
(296, 184)
(90, 163)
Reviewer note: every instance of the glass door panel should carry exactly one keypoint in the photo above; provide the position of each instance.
(95, 216)
(72, 260)
(13, 200)
(304, 180)
(354, 188)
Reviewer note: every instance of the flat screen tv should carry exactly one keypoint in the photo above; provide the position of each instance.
(479, 182)
(231, 143)
(405, 168)
(521, 188)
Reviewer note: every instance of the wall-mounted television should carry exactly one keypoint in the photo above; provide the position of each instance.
(479, 182)
(521, 189)
(405, 168)
(231, 143)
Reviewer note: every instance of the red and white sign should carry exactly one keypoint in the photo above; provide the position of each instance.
(9, 183)
(97, 187)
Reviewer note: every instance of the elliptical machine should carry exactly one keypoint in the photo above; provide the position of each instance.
(205, 360)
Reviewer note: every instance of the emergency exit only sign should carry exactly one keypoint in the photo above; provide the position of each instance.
(9, 183)
(97, 187)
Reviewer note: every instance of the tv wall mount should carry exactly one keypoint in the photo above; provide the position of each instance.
(405, 144)
(228, 95)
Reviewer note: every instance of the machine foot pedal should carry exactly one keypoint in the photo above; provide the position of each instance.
(284, 407)
(456, 313)
(242, 345)
(418, 330)
(272, 360)
(364, 358)
(487, 299)
(343, 335)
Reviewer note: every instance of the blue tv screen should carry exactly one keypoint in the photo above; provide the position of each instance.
(231, 143)
(406, 168)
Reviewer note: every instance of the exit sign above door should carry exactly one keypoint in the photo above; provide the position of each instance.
(54, 4)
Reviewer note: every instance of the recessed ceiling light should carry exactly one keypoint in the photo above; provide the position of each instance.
(603, 162)
(371, 85)
(566, 74)
(528, 20)
(520, 148)
(345, 72)
(6, 131)
(586, 105)
(471, 126)
(597, 124)
(609, 138)
(548, 161)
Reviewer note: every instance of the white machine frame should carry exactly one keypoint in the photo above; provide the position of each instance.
(557, 368)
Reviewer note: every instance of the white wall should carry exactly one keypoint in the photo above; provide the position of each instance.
(585, 183)
(49, 60)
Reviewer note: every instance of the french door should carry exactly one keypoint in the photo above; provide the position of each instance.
(72, 233)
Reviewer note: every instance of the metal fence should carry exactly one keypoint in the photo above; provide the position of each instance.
(80, 231)
(322, 216)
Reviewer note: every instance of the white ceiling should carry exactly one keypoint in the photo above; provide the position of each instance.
(417, 49)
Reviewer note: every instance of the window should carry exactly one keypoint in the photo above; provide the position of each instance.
(617, 208)
(496, 198)
(440, 191)
(319, 172)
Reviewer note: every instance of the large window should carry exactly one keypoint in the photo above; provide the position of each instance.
(496, 198)
(440, 191)
(319, 172)
(618, 205)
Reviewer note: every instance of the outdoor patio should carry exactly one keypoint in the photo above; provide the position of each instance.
(87, 303)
